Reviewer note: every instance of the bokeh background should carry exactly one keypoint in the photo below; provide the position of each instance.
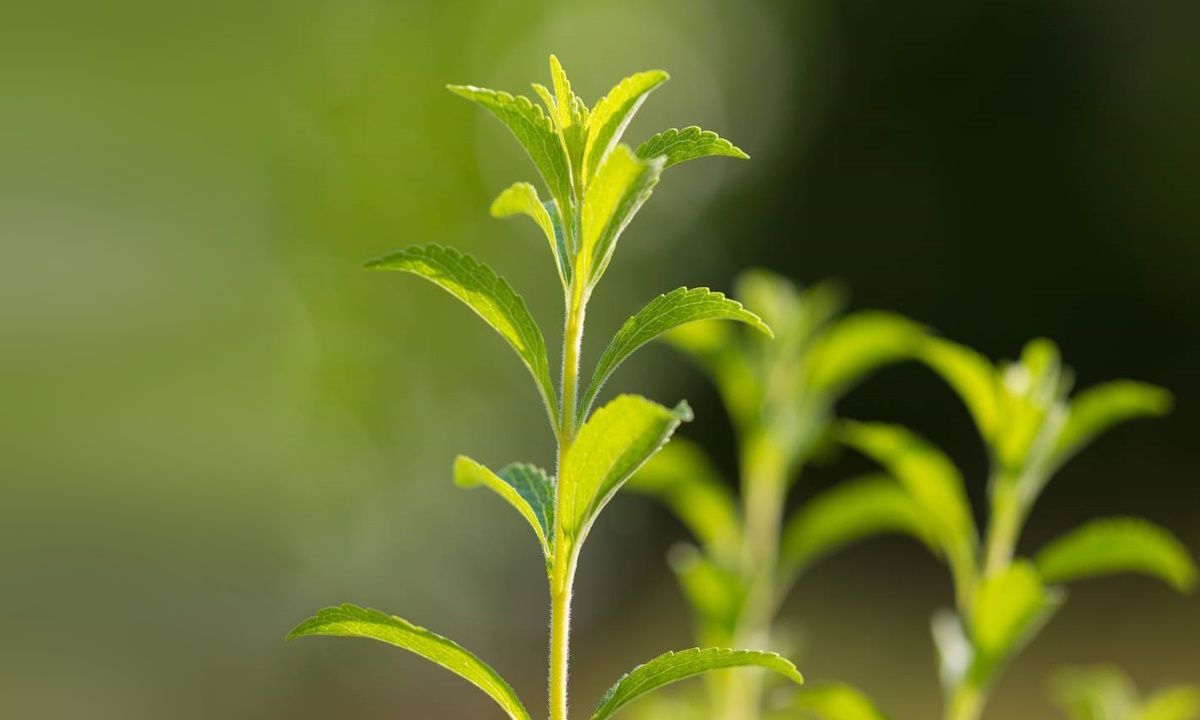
(213, 422)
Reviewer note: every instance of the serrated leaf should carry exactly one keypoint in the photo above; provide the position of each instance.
(533, 129)
(611, 200)
(1098, 408)
(858, 344)
(674, 666)
(572, 115)
(489, 295)
(610, 447)
(688, 144)
(522, 199)
(1114, 545)
(667, 311)
(526, 487)
(683, 477)
(1175, 703)
(353, 621)
(972, 376)
(612, 114)
(931, 479)
(715, 593)
(1009, 608)
(831, 701)
(848, 512)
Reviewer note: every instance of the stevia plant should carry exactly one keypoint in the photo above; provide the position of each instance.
(1107, 693)
(780, 397)
(1030, 426)
(596, 186)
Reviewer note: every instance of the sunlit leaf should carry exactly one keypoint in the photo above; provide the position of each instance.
(612, 199)
(971, 375)
(489, 295)
(526, 487)
(687, 144)
(522, 199)
(613, 444)
(352, 621)
(684, 479)
(848, 512)
(612, 114)
(1114, 545)
(572, 116)
(533, 129)
(1098, 408)
(674, 666)
(1175, 703)
(1010, 606)
(678, 307)
(830, 701)
(857, 345)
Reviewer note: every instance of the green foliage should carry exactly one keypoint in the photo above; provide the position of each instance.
(1101, 407)
(1106, 546)
(675, 666)
(1106, 693)
(351, 621)
(688, 144)
(596, 186)
(830, 701)
(1009, 607)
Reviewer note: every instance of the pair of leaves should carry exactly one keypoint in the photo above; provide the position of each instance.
(352, 621)
(1106, 693)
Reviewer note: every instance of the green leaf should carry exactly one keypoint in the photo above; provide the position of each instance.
(572, 116)
(972, 376)
(687, 144)
(1176, 703)
(1098, 408)
(1113, 545)
(522, 199)
(716, 594)
(857, 345)
(674, 666)
(678, 307)
(614, 443)
(683, 478)
(526, 487)
(1094, 693)
(831, 701)
(932, 481)
(619, 189)
(848, 512)
(612, 114)
(489, 295)
(352, 621)
(533, 129)
(1010, 606)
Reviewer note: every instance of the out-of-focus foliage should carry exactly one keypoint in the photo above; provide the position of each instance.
(1107, 693)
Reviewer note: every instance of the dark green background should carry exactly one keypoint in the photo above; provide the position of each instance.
(214, 422)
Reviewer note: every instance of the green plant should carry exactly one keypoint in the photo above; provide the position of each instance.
(1031, 427)
(780, 397)
(1106, 693)
(596, 186)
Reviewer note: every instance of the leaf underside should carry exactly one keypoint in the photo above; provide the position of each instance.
(687, 144)
(525, 487)
(674, 666)
(353, 621)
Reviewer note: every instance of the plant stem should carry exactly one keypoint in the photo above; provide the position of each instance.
(1005, 526)
(560, 628)
(966, 703)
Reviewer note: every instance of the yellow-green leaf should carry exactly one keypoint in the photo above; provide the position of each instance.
(526, 487)
(667, 311)
(1175, 703)
(613, 444)
(830, 701)
(1095, 693)
(352, 621)
(1009, 607)
(688, 144)
(1098, 408)
(620, 187)
(522, 199)
(1112, 545)
(972, 376)
(674, 666)
(612, 114)
(489, 295)
(858, 344)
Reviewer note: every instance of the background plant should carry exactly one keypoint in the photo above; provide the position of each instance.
(1031, 427)
(780, 397)
(1107, 693)
(596, 186)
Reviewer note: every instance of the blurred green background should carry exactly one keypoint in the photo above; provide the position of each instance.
(214, 422)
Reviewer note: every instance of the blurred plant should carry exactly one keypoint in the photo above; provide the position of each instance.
(596, 186)
(1031, 428)
(1106, 693)
(780, 396)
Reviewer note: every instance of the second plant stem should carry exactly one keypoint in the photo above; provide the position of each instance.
(562, 575)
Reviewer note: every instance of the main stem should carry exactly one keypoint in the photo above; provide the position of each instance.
(562, 576)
